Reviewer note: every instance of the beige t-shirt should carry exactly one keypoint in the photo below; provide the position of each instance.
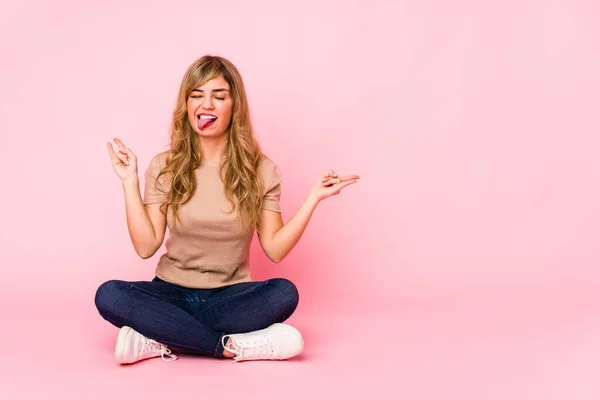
(208, 247)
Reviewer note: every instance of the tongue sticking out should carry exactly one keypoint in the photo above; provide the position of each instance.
(204, 122)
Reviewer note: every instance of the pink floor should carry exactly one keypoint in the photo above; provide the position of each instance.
(414, 353)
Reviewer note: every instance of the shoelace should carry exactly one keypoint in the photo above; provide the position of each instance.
(149, 345)
(246, 349)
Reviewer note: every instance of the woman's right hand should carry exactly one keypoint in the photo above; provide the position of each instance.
(124, 162)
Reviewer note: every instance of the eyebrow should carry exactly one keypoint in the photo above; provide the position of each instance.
(215, 90)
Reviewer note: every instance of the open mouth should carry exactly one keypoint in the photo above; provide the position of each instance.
(206, 120)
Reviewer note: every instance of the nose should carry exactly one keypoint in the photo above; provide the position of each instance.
(207, 103)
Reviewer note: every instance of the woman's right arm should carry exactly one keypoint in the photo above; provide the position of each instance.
(146, 224)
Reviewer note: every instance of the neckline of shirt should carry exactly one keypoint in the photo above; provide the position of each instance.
(211, 163)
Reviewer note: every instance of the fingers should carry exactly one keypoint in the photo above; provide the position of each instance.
(348, 183)
(329, 181)
(124, 151)
(332, 174)
(328, 175)
(122, 148)
(128, 153)
(123, 156)
(120, 143)
(113, 156)
(344, 182)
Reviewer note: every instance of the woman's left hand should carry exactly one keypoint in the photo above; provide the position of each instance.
(331, 184)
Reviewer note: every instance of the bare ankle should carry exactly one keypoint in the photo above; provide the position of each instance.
(227, 353)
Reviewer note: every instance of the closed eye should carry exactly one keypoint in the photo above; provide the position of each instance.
(199, 97)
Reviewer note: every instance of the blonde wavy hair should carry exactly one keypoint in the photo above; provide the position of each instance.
(239, 172)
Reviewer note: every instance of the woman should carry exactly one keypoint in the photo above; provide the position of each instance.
(212, 189)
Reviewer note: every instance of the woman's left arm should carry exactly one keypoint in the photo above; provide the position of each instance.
(277, 239)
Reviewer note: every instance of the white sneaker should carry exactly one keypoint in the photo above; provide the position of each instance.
(132, 346)
(277, 342)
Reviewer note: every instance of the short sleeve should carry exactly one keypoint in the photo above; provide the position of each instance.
(273, 193)
(154, 190)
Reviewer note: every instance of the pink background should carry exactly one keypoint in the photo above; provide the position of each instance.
(473, 126)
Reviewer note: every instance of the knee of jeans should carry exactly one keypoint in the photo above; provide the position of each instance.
(106, 295)
(288, 290)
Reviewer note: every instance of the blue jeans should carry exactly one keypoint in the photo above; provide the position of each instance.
(195, 320)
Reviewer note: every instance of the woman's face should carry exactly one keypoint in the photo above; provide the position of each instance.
(209, 107)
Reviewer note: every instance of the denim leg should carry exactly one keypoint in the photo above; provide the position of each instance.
(161, 311)
(249, 306)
